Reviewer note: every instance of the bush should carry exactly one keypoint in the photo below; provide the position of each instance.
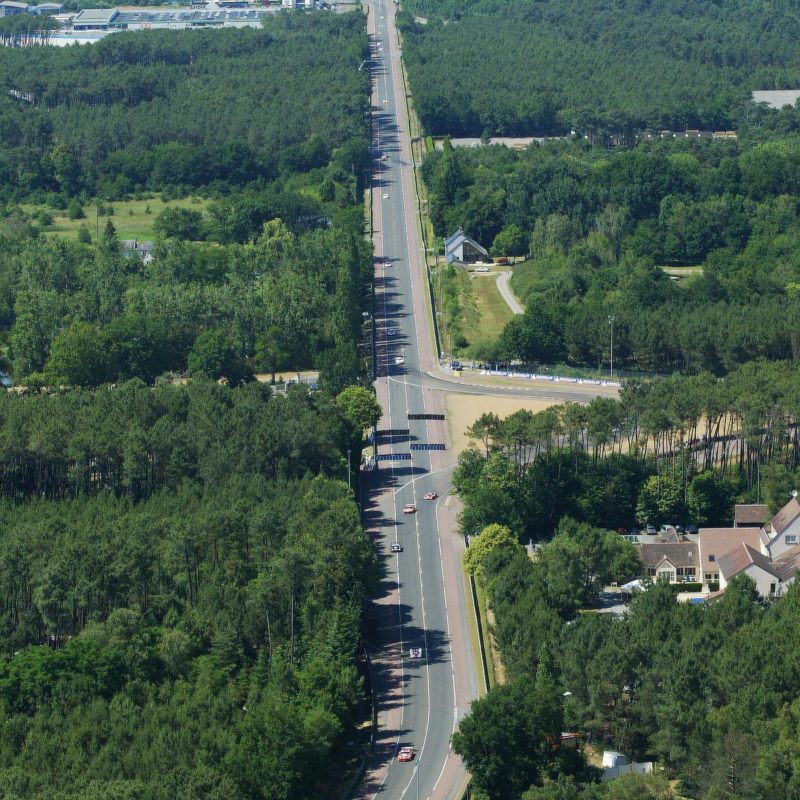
(75, 209)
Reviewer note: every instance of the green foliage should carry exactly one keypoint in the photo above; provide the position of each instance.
(158, 111)
(506, 739)
(215, 356)
(551, 66)
(179, 223)
(492, 539)
(360, 408)
(181, 598)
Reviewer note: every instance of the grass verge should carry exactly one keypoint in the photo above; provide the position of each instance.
(474, 636)
(492, 310)
(493, 663)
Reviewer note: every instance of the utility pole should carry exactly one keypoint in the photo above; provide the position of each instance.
(611, 323)
(348, 469)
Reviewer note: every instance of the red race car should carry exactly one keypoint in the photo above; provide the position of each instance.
(406, 754)
(429, 496)
(409, 508)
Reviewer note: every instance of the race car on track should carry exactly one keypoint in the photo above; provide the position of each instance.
(409, 508)
(406, 754)
(429, 496)
(396, 547)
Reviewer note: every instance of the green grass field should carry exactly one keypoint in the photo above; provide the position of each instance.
(133, 219)
(493, 311)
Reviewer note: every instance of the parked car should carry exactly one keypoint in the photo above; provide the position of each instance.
(409, 508)
(692, 528)
(651, 530)
(396, 547)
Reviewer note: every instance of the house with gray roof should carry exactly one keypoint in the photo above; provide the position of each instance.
(461, 249)
(673, 562)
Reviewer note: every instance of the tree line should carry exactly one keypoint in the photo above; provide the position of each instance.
(541, 68)
(668, 451)
(182, 576)
(88, 314)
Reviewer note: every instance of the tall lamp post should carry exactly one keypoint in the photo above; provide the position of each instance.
(611, 323)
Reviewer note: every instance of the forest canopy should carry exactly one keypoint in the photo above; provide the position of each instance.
(151, 109)
(525, 68)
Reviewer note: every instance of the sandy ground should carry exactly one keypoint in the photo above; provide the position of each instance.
(464, 409)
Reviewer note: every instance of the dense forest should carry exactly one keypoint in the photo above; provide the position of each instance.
(689, 687)
(183, 571)
(268, 125)
(182, 574)
(603, 226)
(186, 109)
(541, 67)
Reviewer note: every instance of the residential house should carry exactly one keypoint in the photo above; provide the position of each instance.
(752, 515)
(782, 532)
(770, 555)
(673, 562)
(131, 248)
(461, 249)
(753, 563)
(713, 543)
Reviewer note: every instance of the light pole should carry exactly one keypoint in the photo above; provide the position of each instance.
(348, 469)
(611, 323)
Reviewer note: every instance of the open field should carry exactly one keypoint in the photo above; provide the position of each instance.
(492, 310)
(133, 219)
(682, 273)
(464, 409)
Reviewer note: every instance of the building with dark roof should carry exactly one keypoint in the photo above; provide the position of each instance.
(461, 249)
(674, 562)
(752, 515)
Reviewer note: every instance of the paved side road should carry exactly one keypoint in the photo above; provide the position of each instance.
(505, 290)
